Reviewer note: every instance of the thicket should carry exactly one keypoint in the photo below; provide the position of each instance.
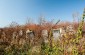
(66, 45)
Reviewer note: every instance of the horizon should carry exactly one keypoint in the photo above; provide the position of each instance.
(19, 11)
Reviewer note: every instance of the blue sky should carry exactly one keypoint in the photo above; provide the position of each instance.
(20, 10)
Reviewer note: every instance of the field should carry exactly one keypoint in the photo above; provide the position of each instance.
(12, 43)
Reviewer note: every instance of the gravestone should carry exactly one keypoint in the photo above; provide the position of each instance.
(45, 35)
(70, 30)
(20, 32)
(29, 33)
(30, 36)
(56, 34)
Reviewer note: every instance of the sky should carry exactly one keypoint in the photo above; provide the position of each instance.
(20, 10)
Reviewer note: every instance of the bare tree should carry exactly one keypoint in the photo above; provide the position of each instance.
(41, 20)
(14, 24)
(29, 21)
(76, 17)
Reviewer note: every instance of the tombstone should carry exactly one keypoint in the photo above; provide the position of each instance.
(14, 35)
(62, 31)
(45, 35)
(30, 36)
(56, 34)
(21, 41)
(20, 32)
(14, 38)
(4, 36)
(70, 30)
(29, 33)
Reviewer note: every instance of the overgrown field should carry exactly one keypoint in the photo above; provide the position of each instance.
(15, 44)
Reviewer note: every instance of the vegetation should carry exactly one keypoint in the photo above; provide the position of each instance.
(73, 44)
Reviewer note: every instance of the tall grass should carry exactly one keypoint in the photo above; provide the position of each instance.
(66, 45)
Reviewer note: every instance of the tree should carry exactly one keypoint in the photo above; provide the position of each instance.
(14, 24)
(41, 20)
(29, 21)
